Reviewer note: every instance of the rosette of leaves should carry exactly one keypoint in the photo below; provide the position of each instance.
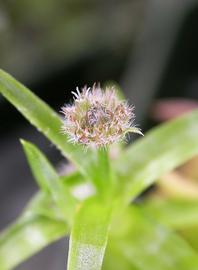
(106, 230)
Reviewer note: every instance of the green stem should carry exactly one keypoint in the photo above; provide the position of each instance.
(104, 180)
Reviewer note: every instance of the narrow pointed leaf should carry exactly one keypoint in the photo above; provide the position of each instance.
(49, 180)
(161, 150)
(177, 214)
(89, 236)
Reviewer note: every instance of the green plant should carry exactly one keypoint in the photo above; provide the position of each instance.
(106, 230)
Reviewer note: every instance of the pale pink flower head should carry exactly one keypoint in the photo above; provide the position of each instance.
(98, 118)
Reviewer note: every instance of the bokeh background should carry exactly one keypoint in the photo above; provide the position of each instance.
(149, 47)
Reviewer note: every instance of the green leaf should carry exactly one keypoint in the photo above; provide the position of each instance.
(39, 114)
(116, 260)
(161, 150)
(149, 245)
(26, 237)
(41, 219)
(48, 180)
(89, 236)
(176, 214)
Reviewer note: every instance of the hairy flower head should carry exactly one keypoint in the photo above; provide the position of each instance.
(98, 118)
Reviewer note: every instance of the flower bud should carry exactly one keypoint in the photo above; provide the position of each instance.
(98, 118)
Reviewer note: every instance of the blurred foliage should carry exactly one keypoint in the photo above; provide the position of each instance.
(42, 36)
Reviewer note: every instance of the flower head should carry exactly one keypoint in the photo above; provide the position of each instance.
(97, 118)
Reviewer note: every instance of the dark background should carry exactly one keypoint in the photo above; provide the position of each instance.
(148, 46)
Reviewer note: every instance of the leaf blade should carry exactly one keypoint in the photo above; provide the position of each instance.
(89, 237)
(174, 213)
(161, 150)
(48, 179)
(27, 237)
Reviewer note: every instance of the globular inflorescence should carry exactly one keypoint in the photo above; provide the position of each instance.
(98, 117)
